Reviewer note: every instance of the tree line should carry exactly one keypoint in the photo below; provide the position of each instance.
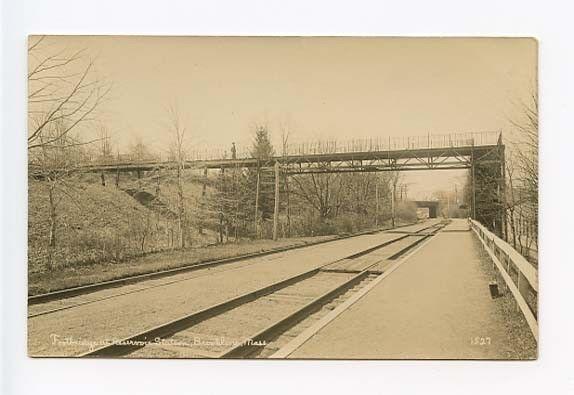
(64, 131)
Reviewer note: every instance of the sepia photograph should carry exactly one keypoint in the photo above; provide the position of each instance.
(323, 198)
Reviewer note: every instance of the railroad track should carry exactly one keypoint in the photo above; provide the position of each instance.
(256, 324)
(80, 296)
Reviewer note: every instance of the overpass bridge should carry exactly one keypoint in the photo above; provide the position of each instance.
(432, 205)
(483, 154)
(457, 151)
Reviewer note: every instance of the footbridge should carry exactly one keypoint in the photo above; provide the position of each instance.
(483, 154)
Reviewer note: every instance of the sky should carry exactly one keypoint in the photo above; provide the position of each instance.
(335, 88)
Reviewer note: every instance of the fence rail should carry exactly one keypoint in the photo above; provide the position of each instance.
(520, 277)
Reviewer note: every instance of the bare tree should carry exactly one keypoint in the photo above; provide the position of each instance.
(395, 177)
(63, 95)
(105, 149)
(321, 191)
(527, 148)
(61, 87)
(358, 189)
(285, 128)
(178, 152)
(510, 200)
(524, 172)
(139, 152)
(56, 157)
(105, 143)
(142, 231)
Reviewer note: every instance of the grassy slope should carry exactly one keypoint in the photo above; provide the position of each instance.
(41, 282)
(86, 213)
(94, 220)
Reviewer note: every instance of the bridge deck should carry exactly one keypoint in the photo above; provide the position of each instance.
(431, 307)
(406, 159)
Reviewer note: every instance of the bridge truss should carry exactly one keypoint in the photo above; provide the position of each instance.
(486, 163)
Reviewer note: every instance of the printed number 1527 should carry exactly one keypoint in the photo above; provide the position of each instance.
(480, 341)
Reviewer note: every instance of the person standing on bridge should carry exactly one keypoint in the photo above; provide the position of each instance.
(233, 151)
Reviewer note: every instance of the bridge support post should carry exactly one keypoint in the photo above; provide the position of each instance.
(473, 182)
(276, 208)
(157, 179)
(287, 205)
(222, 219)
(257, 199)
(204, 186)
(377, 203)
(203, 203)
(502, 186)
(488, 202)
(393, 202)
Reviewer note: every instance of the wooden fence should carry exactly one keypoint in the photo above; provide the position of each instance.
(520, 276)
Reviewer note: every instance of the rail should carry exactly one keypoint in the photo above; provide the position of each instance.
(520, 277)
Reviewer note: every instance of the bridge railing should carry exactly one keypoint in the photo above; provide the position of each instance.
(393, 143)
(520, 277)
(327, 146)
(371, 144)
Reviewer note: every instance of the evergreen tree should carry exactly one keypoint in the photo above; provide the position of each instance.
(262, 148)
(263, 176)
(234, 200)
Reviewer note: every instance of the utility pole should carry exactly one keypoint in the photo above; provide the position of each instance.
(203, 201)
(473, 192)
(236, 198)
(472, 166)
(204, 186)
(276, 208)
(257, 199)
(455, 195)
(377, 203)
(393, 203)
(221, 213)
(157, 187)
(287, 204)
